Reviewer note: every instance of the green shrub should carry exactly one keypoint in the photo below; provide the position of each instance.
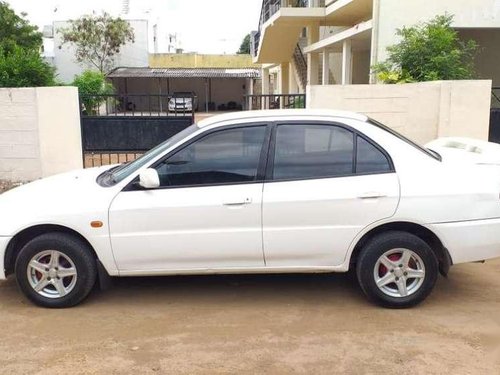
(428, 51)
(91, 85)
(22, 67)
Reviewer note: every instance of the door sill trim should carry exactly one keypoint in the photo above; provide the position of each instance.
(235, 270)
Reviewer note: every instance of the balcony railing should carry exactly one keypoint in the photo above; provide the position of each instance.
(270, 8)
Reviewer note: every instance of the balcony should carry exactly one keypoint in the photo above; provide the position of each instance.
(280, 25)
(359, 35)
(348, 12)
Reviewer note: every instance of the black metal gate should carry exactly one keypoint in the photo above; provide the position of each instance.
(119, 128)
(494, 135)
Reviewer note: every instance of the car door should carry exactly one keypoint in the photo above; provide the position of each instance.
(325, 184)
(206, 213)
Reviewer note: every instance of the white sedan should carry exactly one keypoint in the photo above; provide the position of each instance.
(256, 192)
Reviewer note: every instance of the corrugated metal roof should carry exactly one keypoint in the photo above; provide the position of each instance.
(184, 73)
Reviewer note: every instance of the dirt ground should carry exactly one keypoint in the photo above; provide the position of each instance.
(255, 324)
(6, 185)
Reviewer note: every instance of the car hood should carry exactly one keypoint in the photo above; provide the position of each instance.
(51, 200)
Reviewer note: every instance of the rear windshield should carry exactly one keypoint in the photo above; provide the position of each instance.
(431, 153)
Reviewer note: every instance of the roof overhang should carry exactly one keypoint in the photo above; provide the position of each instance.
(280, 34)
(185, 73)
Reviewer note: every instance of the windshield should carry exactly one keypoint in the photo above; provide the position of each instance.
(433, 154)
(119, 173)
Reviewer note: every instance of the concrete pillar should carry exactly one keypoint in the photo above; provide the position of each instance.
(265, 87)
(250, 91)
(292, 81)
(347, 62)
(312, 58)
(285, 78)
(284, 82)
(326, 67)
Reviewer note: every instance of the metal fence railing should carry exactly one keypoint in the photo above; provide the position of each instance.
(274, 101)
(137, 105)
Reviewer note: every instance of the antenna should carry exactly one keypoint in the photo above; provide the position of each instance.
(125, 6)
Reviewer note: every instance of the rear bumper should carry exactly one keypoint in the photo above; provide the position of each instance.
(470, 241)
(4, 241)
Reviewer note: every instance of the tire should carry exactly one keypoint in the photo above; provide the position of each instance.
(386, 265)
(60, 265)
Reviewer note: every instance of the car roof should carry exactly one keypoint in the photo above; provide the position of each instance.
(276, 114)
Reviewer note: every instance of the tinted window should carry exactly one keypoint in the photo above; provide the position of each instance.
(370, 159)
(228, 156)
(308, 151)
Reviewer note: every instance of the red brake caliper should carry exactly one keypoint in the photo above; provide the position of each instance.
(383, 269)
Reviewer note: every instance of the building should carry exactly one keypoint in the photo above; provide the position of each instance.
(219, 82)
(63, 56)
(311, 42)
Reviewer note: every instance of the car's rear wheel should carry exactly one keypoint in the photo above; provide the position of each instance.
(397, 269)
(56, 270)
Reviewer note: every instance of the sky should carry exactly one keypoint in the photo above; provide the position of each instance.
(203, 26)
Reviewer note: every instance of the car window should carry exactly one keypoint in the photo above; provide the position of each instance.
(117, 174)
(308, 151)
(228, 156)
(370, 159)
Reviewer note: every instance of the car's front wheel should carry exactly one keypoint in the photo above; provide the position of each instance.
(56, 270)
(397, 269)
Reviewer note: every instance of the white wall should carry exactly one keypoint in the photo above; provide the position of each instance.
(131, 55)
(394, 14)
(420, 111)
(39, 132)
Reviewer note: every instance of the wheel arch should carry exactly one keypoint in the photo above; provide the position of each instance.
(424, 233)
(23, 237)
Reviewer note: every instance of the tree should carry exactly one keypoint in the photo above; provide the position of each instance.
(245, 46)
(17, 31)
(20, 62)
(427, 52)
(91, 85)
(24, 68)
(98, 39)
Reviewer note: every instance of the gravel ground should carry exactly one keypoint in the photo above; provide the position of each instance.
(6, 185)
(259, 324)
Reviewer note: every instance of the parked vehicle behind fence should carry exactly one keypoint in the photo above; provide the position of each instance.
(183, 102)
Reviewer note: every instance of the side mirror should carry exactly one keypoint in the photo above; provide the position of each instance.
(149, 179)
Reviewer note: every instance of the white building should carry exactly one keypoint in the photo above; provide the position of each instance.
(134, 54)
(341, 39)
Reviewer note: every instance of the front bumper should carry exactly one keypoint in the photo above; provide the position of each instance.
(4, 241)
(470, 241)
(180, 109)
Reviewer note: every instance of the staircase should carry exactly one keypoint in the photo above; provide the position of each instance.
(300, 63)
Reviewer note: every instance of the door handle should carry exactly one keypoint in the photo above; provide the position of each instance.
(238, 202)
(372, 195)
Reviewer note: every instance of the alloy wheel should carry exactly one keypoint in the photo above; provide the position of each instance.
(52, 274)
(399, 273)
